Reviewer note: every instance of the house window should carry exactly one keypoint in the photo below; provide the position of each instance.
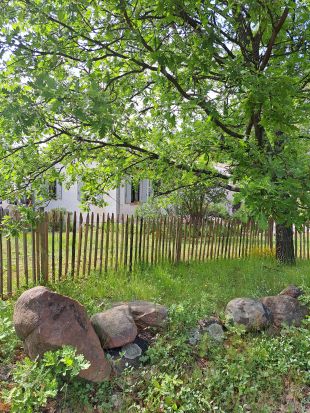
(55, 190)
(137, 193)
(52, 190)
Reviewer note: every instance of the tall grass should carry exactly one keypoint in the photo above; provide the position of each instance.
(210, 285)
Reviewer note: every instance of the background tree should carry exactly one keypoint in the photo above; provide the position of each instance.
(163, 89)
(199, 202)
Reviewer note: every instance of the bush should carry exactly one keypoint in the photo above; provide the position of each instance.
(37, 381)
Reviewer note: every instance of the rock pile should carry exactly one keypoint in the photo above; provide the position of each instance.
(274, 311)
(45, 321)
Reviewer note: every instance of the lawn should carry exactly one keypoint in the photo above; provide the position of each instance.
(249, 373)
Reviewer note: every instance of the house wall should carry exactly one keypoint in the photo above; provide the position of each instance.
(69, 200)
(126, 208)
(116, 199)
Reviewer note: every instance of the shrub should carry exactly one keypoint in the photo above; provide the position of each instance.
(34, 382)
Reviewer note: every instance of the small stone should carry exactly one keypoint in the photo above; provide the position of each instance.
(132, 351)
(216, 332)
(194, 337)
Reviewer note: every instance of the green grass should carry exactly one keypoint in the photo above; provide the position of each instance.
(210, 285)
(250, 373)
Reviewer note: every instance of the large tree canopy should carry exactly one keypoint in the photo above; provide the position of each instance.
(159, 89)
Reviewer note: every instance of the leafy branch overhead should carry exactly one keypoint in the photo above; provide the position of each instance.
(160, 90)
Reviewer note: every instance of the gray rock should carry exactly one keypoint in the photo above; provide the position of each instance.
(216, 332)
(47, 321)
(250, 313)
(285, 310)
(128, 355)
(292, 291)
(132, 351)
(210, 326)
(194, 337)
(115, 327)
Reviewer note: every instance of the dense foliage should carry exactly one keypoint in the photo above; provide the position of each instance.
(161, 90)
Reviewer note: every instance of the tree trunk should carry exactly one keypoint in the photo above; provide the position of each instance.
(284, 244)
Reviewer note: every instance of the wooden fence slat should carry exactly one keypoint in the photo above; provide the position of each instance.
(122, 243)
(112, 240)
(53, 245)
(167, 248)
(219, 237)
(126, 242)
(143, 252)
(25, 258)
(38, 252)
(107, 244)
(136, 240)
(147, 242)
(96, 241)
(85, 245)
(73, 245)
(44, 252)
(67, 244)
(131, 243)
(60, 246)
(227, 239)
(90, 243)
(17, 262)
(101, 244)
(9, 266)
(33, 256)
(223, 236)
(140, 241)
(192, 240)
(80, 241)
(153, 241)
(116, 242)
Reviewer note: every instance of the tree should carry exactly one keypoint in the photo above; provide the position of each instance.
(160, 89)
(198, 202)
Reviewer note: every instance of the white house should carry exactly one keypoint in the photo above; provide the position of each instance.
(122, 200)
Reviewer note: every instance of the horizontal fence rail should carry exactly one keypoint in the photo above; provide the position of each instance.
(73, 245)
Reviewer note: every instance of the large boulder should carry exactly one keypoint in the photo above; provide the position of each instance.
(292, 291)
(115, 327)
(285, 310)
(250, 313)
(47, 321)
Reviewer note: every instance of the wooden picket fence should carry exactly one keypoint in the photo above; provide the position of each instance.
(73, 245)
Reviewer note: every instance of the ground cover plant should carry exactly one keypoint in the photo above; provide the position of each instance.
(248, 373)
